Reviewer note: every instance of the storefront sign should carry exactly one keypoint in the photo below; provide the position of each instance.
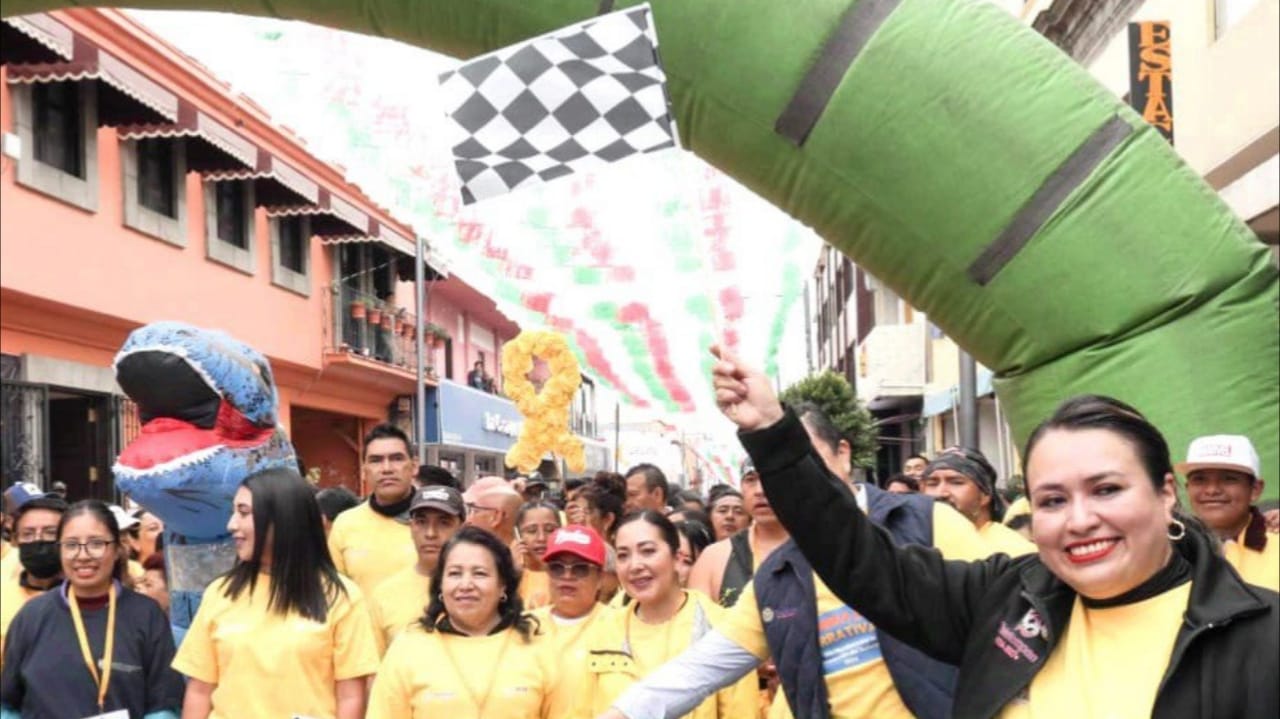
(464, 417)
(1151, 74)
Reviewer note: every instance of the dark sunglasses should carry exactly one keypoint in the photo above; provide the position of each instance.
(559, 570)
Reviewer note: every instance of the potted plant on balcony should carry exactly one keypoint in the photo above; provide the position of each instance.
(357, 309)
(374, 313)
(436, 335)
(388, 318)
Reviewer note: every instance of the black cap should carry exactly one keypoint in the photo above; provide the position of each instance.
(439, 497)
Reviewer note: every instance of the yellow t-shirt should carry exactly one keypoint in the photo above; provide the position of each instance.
(4, 548)
(1109, 662)
(858, 681)
(11, 565)
(955, 536)
(567, 639)
(1001, 539)
(1260, 568)
(369, 547)
(535, 589)
(611, 668)
(12, 596)
(136, 571)
(433, 675)
(267, 665)
(1017, 507)
(398, 602)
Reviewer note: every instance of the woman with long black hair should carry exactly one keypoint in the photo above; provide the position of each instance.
(282, 634)
(473, 654)
(93, 646)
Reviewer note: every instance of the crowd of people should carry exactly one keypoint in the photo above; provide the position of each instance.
(803, 592)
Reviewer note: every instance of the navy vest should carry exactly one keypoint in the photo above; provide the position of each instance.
(785, 593)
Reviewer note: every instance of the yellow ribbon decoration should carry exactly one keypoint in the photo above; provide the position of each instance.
(546, 413)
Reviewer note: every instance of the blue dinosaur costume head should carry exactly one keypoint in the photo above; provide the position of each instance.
(208, 405)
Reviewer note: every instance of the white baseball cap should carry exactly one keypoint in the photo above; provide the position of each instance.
(123, 519)
(1220, 451)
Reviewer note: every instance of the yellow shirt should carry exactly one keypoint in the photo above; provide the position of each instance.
(535, 589)
(397, 603)
(267, 665)
(1109, 662)
(568, 640)
(11, 565)
(1017, 507)
(610, 671)
(433, 675)
(955, 536)
(1001, 539)
(1260, 568)
(12, 596)
(858, 681)
(4, 548)
(369, 547)
(136, 571)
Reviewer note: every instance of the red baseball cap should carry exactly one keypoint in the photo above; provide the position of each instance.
(580, 541)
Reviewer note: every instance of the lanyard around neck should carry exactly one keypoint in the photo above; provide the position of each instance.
(105, 680)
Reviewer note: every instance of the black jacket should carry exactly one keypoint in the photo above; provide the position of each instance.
(1001, 618)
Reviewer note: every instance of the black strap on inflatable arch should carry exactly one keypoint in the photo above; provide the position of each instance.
(859, 23)
(1048, 198)
(606, 6)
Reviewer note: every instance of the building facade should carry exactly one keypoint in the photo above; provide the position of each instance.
(136, 187)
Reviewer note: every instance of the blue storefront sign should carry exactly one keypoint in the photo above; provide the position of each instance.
(460, 416)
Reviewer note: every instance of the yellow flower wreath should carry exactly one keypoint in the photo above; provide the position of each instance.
(546, 413)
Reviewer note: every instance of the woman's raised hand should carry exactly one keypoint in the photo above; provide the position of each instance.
(743, 394)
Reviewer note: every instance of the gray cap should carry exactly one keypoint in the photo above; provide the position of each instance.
(438, 497)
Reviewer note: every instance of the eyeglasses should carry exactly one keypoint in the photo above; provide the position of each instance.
(474, 508)
(578, 570)
(95, 548)
(47, 534)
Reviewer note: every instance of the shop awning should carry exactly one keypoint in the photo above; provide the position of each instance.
(211, 146)
(125, 96)
(936, 403)
(37, 38)
(276, 184)
(333, 219)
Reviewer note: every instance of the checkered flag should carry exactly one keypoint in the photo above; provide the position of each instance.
(579, 97)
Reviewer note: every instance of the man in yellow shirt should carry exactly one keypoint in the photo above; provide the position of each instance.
(963, 478)
(1223, 482)
(371, 542)
(434, 515)
(35, 527)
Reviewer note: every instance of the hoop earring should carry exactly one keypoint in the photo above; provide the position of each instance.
(1179, 527)
(503, 598)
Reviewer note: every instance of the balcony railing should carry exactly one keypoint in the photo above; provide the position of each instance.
(370, 328)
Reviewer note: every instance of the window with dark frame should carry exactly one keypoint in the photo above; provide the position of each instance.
(156, 190)
(230, 207)
(57, 129)
(293, 245)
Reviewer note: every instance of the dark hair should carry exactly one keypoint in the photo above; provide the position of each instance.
(303, 577)
(430, 475)
(665, 526)
(606, 494)
(510, 611)
(698, 534)
(101, 512)
(691, 515)
(1097, 412)
(335, 500)
(819, 424)
(688, 495)
(653, 478)
(574, 483)
(717, 496)
(537, 504)
(911, 482)
(155, 562)
(387, 431)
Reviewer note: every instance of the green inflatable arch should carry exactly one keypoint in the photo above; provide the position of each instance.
(966, 162)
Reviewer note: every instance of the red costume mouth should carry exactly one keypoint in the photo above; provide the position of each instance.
(165, 439)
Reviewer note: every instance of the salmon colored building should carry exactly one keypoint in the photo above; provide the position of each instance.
(136, 188)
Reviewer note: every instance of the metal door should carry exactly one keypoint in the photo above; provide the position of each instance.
(24, 432)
